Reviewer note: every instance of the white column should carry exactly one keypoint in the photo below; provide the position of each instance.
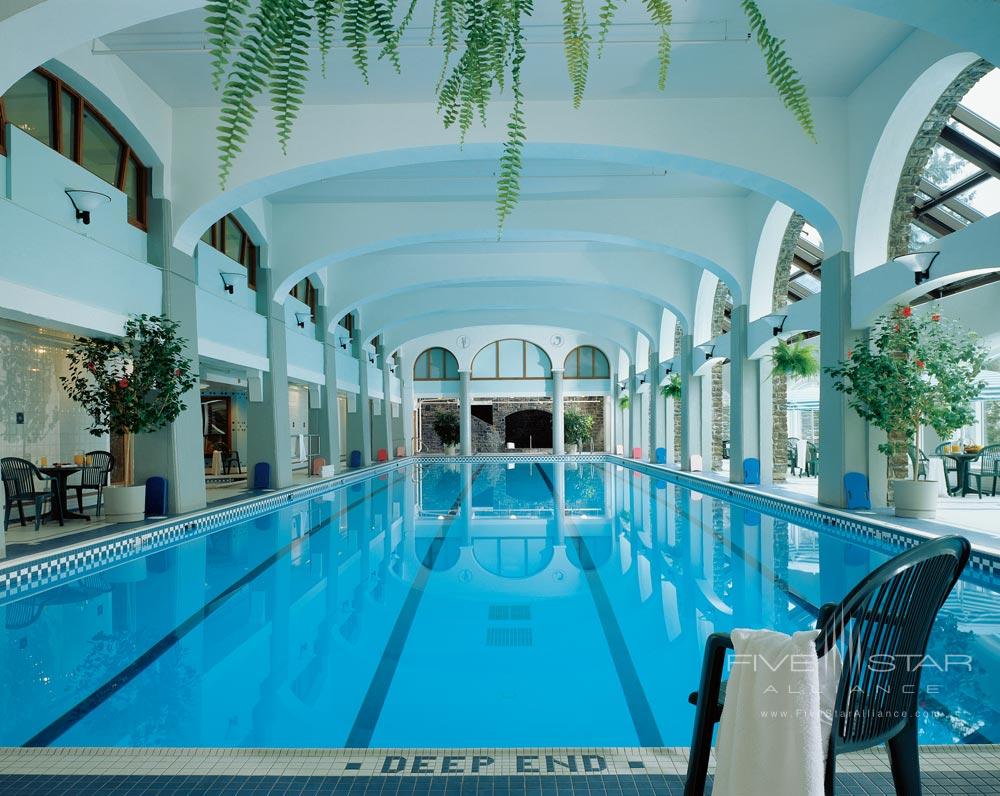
(843, 438)
(744, 401)
(653, 378)
(691, 400)
(634, 427)
(465, 412)
(387, 400)
(558, 416)
(406, 408)
(364, 413)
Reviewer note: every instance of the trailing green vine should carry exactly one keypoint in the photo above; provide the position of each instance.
(262, 48)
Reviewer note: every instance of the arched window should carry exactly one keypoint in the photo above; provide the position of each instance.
(586, 362)
(47, 109)
(511, 359)
(436, 364)
(305, 291)
(228, 236)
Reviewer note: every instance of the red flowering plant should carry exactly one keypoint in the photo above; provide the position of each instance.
(917, 370)
(133, 384)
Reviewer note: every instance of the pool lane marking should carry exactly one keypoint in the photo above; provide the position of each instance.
(628, 677)
(88, 704)
(370, 711)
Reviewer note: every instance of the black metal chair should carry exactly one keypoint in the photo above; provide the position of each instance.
(887, 617)
(950, 466)
(918, 460)
(19, 476)
(229, 458)
(95, 476)
(812, 460)
(793, 456)
(989, 467)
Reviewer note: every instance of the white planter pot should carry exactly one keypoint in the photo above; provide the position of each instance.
(572, 447)
(917, 499)
(125, 503)
(451, 450)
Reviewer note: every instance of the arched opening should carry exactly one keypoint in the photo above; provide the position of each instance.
(529, 429)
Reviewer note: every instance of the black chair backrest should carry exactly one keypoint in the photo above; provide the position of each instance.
(887, 617)
(989, 459)
(18, 477)
(96, 473)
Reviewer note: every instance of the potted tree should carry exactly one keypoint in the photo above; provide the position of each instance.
(919, 370)
(130, 385)
(577, 427)
(446, 426)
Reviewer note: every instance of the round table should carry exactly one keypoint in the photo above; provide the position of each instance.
(60, 474)
(962, 461)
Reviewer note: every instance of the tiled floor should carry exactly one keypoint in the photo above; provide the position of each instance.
(434, 772)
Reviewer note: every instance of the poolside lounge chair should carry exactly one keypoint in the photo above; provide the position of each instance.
(887, 616)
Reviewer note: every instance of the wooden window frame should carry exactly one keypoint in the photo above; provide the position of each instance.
(56, 87)
(217, 240)
(524, 362)
(594, 352)
(446, 355)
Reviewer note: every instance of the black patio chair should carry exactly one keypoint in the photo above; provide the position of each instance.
(886, 617)
(950, 465)
(94, 477)
(793, 456)
(918, 460)
(989, 467)
(230, 458)
(19, 476)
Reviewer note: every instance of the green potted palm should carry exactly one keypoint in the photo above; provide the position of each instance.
(795, 360)
(672, 387)
(130, 385)
(446, 425)
(918, 370)
(577, 427)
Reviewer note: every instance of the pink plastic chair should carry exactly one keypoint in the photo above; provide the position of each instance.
(636, 453)
(318, 464)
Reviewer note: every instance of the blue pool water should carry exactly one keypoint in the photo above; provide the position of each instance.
(447, 605)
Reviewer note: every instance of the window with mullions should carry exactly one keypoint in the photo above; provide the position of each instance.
(436, 364)
(960, 183)
(586, 362)
(47, 109)
(807, 262)
(228, 236)
(511, 359)
(306, 292)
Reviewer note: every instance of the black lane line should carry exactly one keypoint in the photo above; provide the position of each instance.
(628, 678)
(360, 736)
(104, 692)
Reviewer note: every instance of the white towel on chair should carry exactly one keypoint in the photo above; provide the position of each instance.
(775, 723)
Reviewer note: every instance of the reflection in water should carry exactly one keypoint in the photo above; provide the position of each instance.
(505, 604)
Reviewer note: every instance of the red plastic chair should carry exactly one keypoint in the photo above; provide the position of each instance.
(383, 455)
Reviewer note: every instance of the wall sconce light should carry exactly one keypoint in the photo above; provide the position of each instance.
(667, 370)
(86, 202)
(344, 343)
(371, 358)
(229, 280)
(706, 349)
(642, 380)
(918, 262)
(301, 318)
(777, 322)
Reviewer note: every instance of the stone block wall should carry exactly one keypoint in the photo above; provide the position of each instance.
(720, 406)
(779, 384)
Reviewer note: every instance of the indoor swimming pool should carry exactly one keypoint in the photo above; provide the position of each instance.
(449, 604)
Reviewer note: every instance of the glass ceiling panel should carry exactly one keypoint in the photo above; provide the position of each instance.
(985, 197)
(810, 234)
(919, 238)
(945, 168)
(984, 97)
(968, 132)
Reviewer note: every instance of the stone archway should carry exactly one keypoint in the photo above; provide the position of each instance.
(529, 428)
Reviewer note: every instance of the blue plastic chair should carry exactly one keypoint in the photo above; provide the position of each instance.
(355, 460)
(856, 490)
(661, 455)
(262, 475)
(156, 496)
(751, 471)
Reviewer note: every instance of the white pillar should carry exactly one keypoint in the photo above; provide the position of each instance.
(407, 406)
(843, 438)
(691, 402)
(364, 413)
(634, 427)
(558, 416)
(387, 400)
(465, 412)
(744, 401)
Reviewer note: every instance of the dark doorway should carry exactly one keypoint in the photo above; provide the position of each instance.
(529, 428)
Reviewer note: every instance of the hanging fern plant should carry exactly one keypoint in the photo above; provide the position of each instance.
(624, 402)
(796, 360)
(262, 48)
(672, 389)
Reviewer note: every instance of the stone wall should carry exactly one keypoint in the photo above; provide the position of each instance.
(593, 406)
(920, 152)
(720, 407)
(678, 332)
(779, 384)
(431, 441)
